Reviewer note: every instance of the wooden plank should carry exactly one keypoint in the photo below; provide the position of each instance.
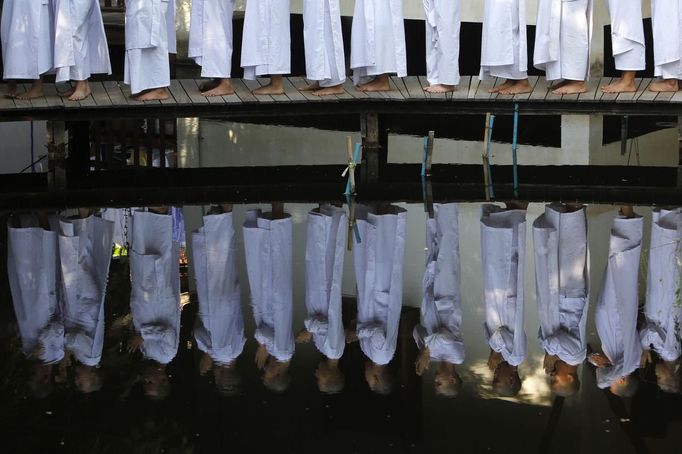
(677, 97)
(179, 94)
(394, 94)
(630, 97)
(608, 97)
(5, 102)
(414, 87)
(532, 80)
(664, 96)
(252, 85)
(243, 91)
(352, 90)
(345, 95)
(125, 89)
(52, 97)
(299, 83)
(292, 92)
(195, 89)
(483, 90)
(435, 96)
(642, 88)
(647, 95)
(475, 82)
(400, 85)
(115, 94)
(22, 103)
(552, 97)
(462, 90)
(99, 94)
(170, 100)
(592, 90)
(499, 96)
(192, 90)
(540, 91)
(263, 81)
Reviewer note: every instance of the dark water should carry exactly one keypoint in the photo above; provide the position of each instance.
(195, 418)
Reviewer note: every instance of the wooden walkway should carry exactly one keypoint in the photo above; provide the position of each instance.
(112, 99)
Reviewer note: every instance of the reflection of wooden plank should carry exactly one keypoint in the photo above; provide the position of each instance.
(243, 91)
(254, 85)
(592, 90)
(292, 92)
(99, 94)
(179, 93)
(52, 97)
(629, 97)
(462, 90)
(115, 94)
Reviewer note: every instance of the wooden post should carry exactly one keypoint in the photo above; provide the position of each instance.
(56, 156)
(486, 176)
(374, 146)
(429, 152)
(78, 161)
(679, 161)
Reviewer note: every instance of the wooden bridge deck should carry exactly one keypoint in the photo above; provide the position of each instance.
(111, 99)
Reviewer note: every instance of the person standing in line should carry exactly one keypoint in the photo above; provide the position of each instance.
(443, 22)
(627, 40)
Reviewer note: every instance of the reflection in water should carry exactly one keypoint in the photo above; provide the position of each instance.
(58, 274)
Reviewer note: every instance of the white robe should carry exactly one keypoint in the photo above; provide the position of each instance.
(325, 60)
(80, 42)
(662, 327)
(441, 308)
(666, 18)
(33, 271)
(562, 282)
(627, 34)
(27, 34)
(504, 50)
(219, 329)
(266, 43)
(155, 285)
(85, 253)
(324, 254)
(121, 221)
(562, 39)
(171, 29)
(617, 305)
(503, 252)
(379, 260)
(267, 245)
(210, 37)
(378, 40)
(146, 59)
(443, 22)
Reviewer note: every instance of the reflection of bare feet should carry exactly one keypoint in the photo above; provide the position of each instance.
(227, 207)
(261, 356)
(380, 83)
(665, 85)
(11, 89)
(521, 86)
(517, 205)
(275, 87)
(152, 95)
(304, 336)
(508, 84)
(311, 87)
(328, 91)
(628, 211)
(621, 85)
(494, 360)
(81, 91)
(440, 88)
(423, 360)
(571, 87)
(36, 91)
(208, 85)
(223, 88)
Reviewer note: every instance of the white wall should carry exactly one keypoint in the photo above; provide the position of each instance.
(15, 154)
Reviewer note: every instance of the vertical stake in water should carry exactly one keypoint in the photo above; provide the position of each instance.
(515, 146)
(487, 170)
(353, 158)
(427, 156)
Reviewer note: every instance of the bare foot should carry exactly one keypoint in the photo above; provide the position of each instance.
(504, 86)
(81, 91)
(380, 83)
(571, 88)
(555, 85)
(208, 85)
(275, 87)
(440, 88)
(665, 85)
(521, 86)
(620, 86)
(311, 87)
(11, 89)
(36, 91)
(223, 88)
(151, 95)
(328, 91)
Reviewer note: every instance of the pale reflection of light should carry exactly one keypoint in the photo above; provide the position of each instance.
(534, 389)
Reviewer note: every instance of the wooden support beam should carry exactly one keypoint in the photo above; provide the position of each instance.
(56, 156)
(78, 160)
(374, 146)
(679, 161)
